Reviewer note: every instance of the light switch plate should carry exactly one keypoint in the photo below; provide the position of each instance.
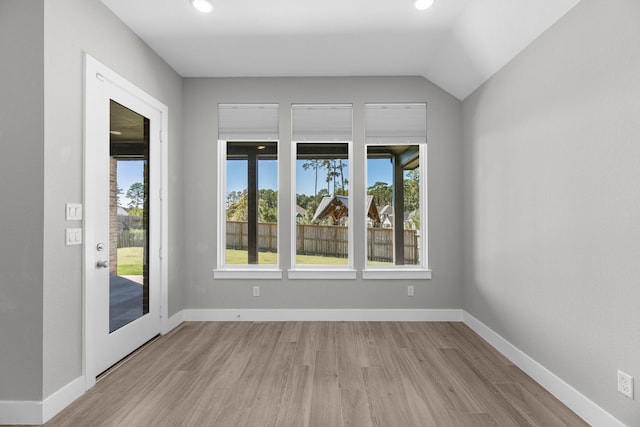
(73, 236)
(74, 211)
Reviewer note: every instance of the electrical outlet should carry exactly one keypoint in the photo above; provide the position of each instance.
(256, 291)
(625, 384)
(410, 291)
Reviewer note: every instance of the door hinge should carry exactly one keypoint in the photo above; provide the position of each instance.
(161, 137)
(160, 253)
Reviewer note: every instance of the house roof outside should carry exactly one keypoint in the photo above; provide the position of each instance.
(386, 210)
(337, 207)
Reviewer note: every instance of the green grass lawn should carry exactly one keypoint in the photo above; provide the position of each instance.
(234, 256)
(130, 261)
(320, 260)
(379, 263)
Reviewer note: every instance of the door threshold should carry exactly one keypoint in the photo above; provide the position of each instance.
(124, 360)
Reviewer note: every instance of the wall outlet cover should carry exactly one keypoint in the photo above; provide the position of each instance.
(625, 384)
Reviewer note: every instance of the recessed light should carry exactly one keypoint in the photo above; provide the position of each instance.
(261, 147)
(204, 6)
(423, 4)
(115, 132)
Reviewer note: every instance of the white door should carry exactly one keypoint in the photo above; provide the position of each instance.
(122, 220)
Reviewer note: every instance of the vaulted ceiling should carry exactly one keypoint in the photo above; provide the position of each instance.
(456, 44)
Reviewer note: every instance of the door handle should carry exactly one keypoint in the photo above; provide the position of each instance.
(102, 264)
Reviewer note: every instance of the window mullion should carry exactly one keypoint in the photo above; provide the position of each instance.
(398, 210)
(252, 208)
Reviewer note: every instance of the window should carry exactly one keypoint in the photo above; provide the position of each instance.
(390, 195)
(248, 188)
(395, 137)
(251, 203)
(322, 233)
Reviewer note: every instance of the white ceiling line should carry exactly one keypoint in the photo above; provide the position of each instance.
(456, 44)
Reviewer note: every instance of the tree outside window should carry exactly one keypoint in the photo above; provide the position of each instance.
(251, 205)
(393, 179)
(322, 193)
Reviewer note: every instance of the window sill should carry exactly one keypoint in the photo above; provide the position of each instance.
(395, 274)
(322, 274)
(262, 273)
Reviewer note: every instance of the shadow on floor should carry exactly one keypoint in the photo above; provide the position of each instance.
(125, 301)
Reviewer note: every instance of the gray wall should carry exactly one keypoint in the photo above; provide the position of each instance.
(550, 240)
(200, 155)
(552, 208)
(71, 28)
(21, 208)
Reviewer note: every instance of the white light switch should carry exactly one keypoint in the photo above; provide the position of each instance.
(74, 211)
(73, 236)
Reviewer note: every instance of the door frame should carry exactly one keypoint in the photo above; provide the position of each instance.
(97, 79)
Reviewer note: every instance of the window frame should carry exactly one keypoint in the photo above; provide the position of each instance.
(408, 272)
(321, 271)
(325, 271)
(240, 271)
(240, 128)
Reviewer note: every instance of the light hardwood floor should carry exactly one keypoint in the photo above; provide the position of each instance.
(317, 374)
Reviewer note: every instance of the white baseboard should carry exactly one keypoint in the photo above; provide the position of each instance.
(328, 315)
(39, 412)
(35, 412)
(172, 322)
(62, 398)
(572, 398)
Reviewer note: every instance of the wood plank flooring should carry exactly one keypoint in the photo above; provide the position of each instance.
(317, 374)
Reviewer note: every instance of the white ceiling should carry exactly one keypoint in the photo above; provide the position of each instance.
(457, 44)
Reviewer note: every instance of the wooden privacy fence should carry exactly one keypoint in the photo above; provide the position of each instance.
(238, 236)
(131, 238)
(130, 231)
(380, 245)
(324, 240)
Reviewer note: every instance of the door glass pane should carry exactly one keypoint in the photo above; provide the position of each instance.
(129, 216)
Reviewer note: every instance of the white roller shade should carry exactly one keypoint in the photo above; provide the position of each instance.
(395, 123)
(322, 123)
(248, 122)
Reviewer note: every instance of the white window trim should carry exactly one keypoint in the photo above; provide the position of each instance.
(386, 273)
(408, 272)
(320, 271)
(324, 273)
(248, 273)
(238, 271)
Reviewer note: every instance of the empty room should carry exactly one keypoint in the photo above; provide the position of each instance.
(335, 213)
